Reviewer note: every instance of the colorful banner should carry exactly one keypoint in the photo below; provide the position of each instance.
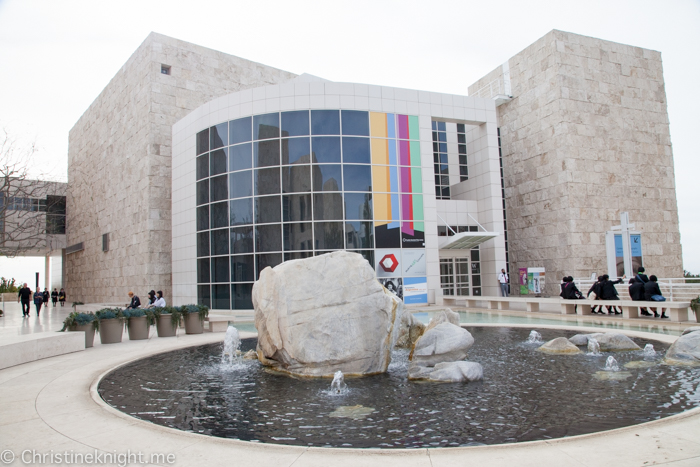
(415, 290)
(522, 274)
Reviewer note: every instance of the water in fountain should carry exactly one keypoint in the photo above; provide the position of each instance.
(611, 364)
(649, 351)
(593, 347)
(534, 338)
(232, 344)
(338, 385)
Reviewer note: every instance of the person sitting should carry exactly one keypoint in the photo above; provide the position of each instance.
(151, 299)
(652, 293)
(641, 276)
(160, 301)
(135, 301)
(594, 294)
(637, 293)
(609, 292)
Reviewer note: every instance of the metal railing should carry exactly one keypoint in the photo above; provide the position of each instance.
(674, 289)
(494, 88)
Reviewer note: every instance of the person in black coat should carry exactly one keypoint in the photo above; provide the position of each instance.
(595, 288)
(637, 293)
(641, 276)
(54, 297)
(25, 294)
(135, 301)
(607, 289)
(651, 289)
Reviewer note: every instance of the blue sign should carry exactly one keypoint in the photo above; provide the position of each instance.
(415, 290)
(635, 243)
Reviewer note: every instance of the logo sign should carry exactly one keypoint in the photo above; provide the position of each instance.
(389, 263)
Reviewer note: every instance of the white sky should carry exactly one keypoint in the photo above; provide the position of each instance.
(56, 56)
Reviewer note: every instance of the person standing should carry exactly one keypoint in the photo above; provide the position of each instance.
(62, 296)
(38, 300)
(54, 297)
(46, 295)
(25, 293)
(503, 280)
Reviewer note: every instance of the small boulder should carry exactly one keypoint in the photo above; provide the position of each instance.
(691, 329)
(448, 372)
(443, 316)
(686, 350)
(608, 341)
(409, 331)
(559, 346)
(443, 343)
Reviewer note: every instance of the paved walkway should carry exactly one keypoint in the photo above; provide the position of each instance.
(51, 406)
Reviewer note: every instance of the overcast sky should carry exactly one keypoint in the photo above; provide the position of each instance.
(56, 56)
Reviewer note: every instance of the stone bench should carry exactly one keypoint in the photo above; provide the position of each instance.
(677, 311)
(220, 322)
(25, 348)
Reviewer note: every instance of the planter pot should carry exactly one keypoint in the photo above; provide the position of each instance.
(88, 329)
(165, 326)
(111, 330)
(192, 324)
(138, 328)
(697, 316)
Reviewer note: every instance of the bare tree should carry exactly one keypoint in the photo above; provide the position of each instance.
(32, 212)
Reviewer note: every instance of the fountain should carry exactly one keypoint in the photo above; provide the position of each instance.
(534, 338)
(611, 364)
(649, 350)
(338, 385)
(593, 347)
(232, 344)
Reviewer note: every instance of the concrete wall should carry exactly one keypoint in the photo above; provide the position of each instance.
(119, 164)
(586, 137)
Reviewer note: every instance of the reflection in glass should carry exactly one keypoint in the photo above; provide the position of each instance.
(242, 268)
(266, 126)
(296, 179)
(218, 188)
(241, 184)
(328, 235)
(241, 157)
(203, 271)
(359, 235)
(219, 242)
(358, 206)
(218, 136)
(297, 236)
(204, 295)
(267, 209)
(242, 240)
(296, 207)
(355, 122)
(221, 299)
(241, 296)
(328, 206)
(202, 166)
(202, 192)
(267, 181)
(240, 130)
(219, 269)
(241, 211)
(325, 122)
(268, 238)
(267, 153)
(325, 149)
(217, 162)
(288, 256)
(202, 243)
(263, 261)
(357, 177)
(219, 215)
(203, 141)
(295, 123)
(356, 150)
(326, 177)
(203, 218)
(295, 150)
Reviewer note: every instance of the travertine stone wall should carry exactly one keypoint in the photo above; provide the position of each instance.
(585, 138)
(119, 164)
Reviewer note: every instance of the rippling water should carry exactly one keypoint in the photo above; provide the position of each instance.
(526, 395)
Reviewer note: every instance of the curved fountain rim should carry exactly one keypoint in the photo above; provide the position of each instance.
(666, 338)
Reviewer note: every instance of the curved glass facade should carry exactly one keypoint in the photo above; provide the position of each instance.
(289, 185)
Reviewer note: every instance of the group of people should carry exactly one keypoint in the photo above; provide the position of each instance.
(641, 288)
(155, 300)
(39, 298)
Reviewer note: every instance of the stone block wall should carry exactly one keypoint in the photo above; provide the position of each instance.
(119, 164)
(586, 137)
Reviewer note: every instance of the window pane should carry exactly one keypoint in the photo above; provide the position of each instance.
(328, 206)
(295, 150)
(355, 122)
(204, 295)
(241, 296)
(240, 130)
(298, 255)
(297, 236)
(241, 157)
(359, 235)
(219, 242)
(219, 269)
(268, 209)
(385, 237)
(357, 177)
(202, 166)
(218, 136)
(329, 235)
(295, 123)
(219, 215)
(266, 126)
(218, 188)
(325, 149)
(325, 122)
(356, 150)
(358, 206)
(297, 208)
(242, 240)
(203, 276)
(475, 254)
(263, 261)
(203, 141)
(241, 211)
(242, 268)
(267, 181)
(326, 177)
(296, 179)
(268, 238)
(217, 162)
(203, 218)
(241, 184)
(267, 153)
(221, 299)
(202, 192)
(202, 243)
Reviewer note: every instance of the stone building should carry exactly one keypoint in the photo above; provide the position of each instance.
(584, 133)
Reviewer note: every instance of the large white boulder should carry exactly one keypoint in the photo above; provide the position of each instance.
(685, 350)
(608, 341)
(443, 343)
(318, 315)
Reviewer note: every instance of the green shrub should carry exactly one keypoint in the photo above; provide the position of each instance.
(80, 319)
(202, 310)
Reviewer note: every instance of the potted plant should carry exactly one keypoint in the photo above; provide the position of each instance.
(85, 322)
(167, 319)
(194, 318)
(111, 325)
(138, 322)
(695, 305)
